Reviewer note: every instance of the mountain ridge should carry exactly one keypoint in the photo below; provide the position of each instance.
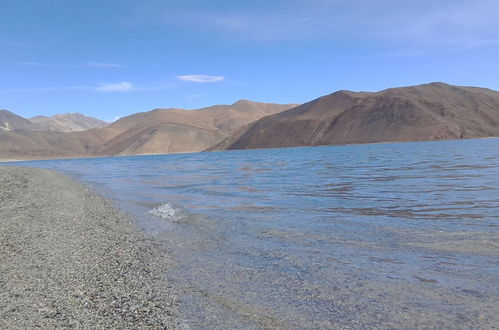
(68, 122)
(432, 111)
(10, 121)
(169, 130)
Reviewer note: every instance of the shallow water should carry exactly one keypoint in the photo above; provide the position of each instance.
(382, 235)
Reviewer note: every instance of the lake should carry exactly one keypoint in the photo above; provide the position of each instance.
(398, 235)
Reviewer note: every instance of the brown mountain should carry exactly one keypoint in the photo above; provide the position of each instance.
(178, 130)
(433, 111)
(43, 137)
(10, 121)
(26, 144)
(68, 122)
(156, 131)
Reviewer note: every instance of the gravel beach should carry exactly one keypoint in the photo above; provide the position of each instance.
(68, 259)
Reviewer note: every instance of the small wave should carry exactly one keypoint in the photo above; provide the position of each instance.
(165, 211)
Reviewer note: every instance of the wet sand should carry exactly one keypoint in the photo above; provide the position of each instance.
(68, 259)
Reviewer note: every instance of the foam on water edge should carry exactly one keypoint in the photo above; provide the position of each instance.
(165, 211)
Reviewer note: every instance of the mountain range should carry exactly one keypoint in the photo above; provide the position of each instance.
(155, 131)
(435, 111)
(432, 111)
(68, 122)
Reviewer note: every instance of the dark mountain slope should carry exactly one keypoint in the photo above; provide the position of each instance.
(426, 112)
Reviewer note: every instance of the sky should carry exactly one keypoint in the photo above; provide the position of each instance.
(112, 58)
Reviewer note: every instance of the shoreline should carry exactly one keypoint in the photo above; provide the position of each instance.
(69, 259)
(229, 150)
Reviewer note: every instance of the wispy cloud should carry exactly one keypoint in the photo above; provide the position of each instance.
(119, 87)
(429, 24)
(123, 86)
(200, 78)
(97, 65)
(454, 25)
(104, 65)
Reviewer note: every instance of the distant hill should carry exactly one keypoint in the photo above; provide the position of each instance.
(156, 131)
(68, 122)
(25, 144)
(178, 130)
(433, 111)
(48, 137)
(10, 121)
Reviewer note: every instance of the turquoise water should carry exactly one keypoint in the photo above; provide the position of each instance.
(380, 235)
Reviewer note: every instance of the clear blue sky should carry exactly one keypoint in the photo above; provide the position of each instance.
(111, 58)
